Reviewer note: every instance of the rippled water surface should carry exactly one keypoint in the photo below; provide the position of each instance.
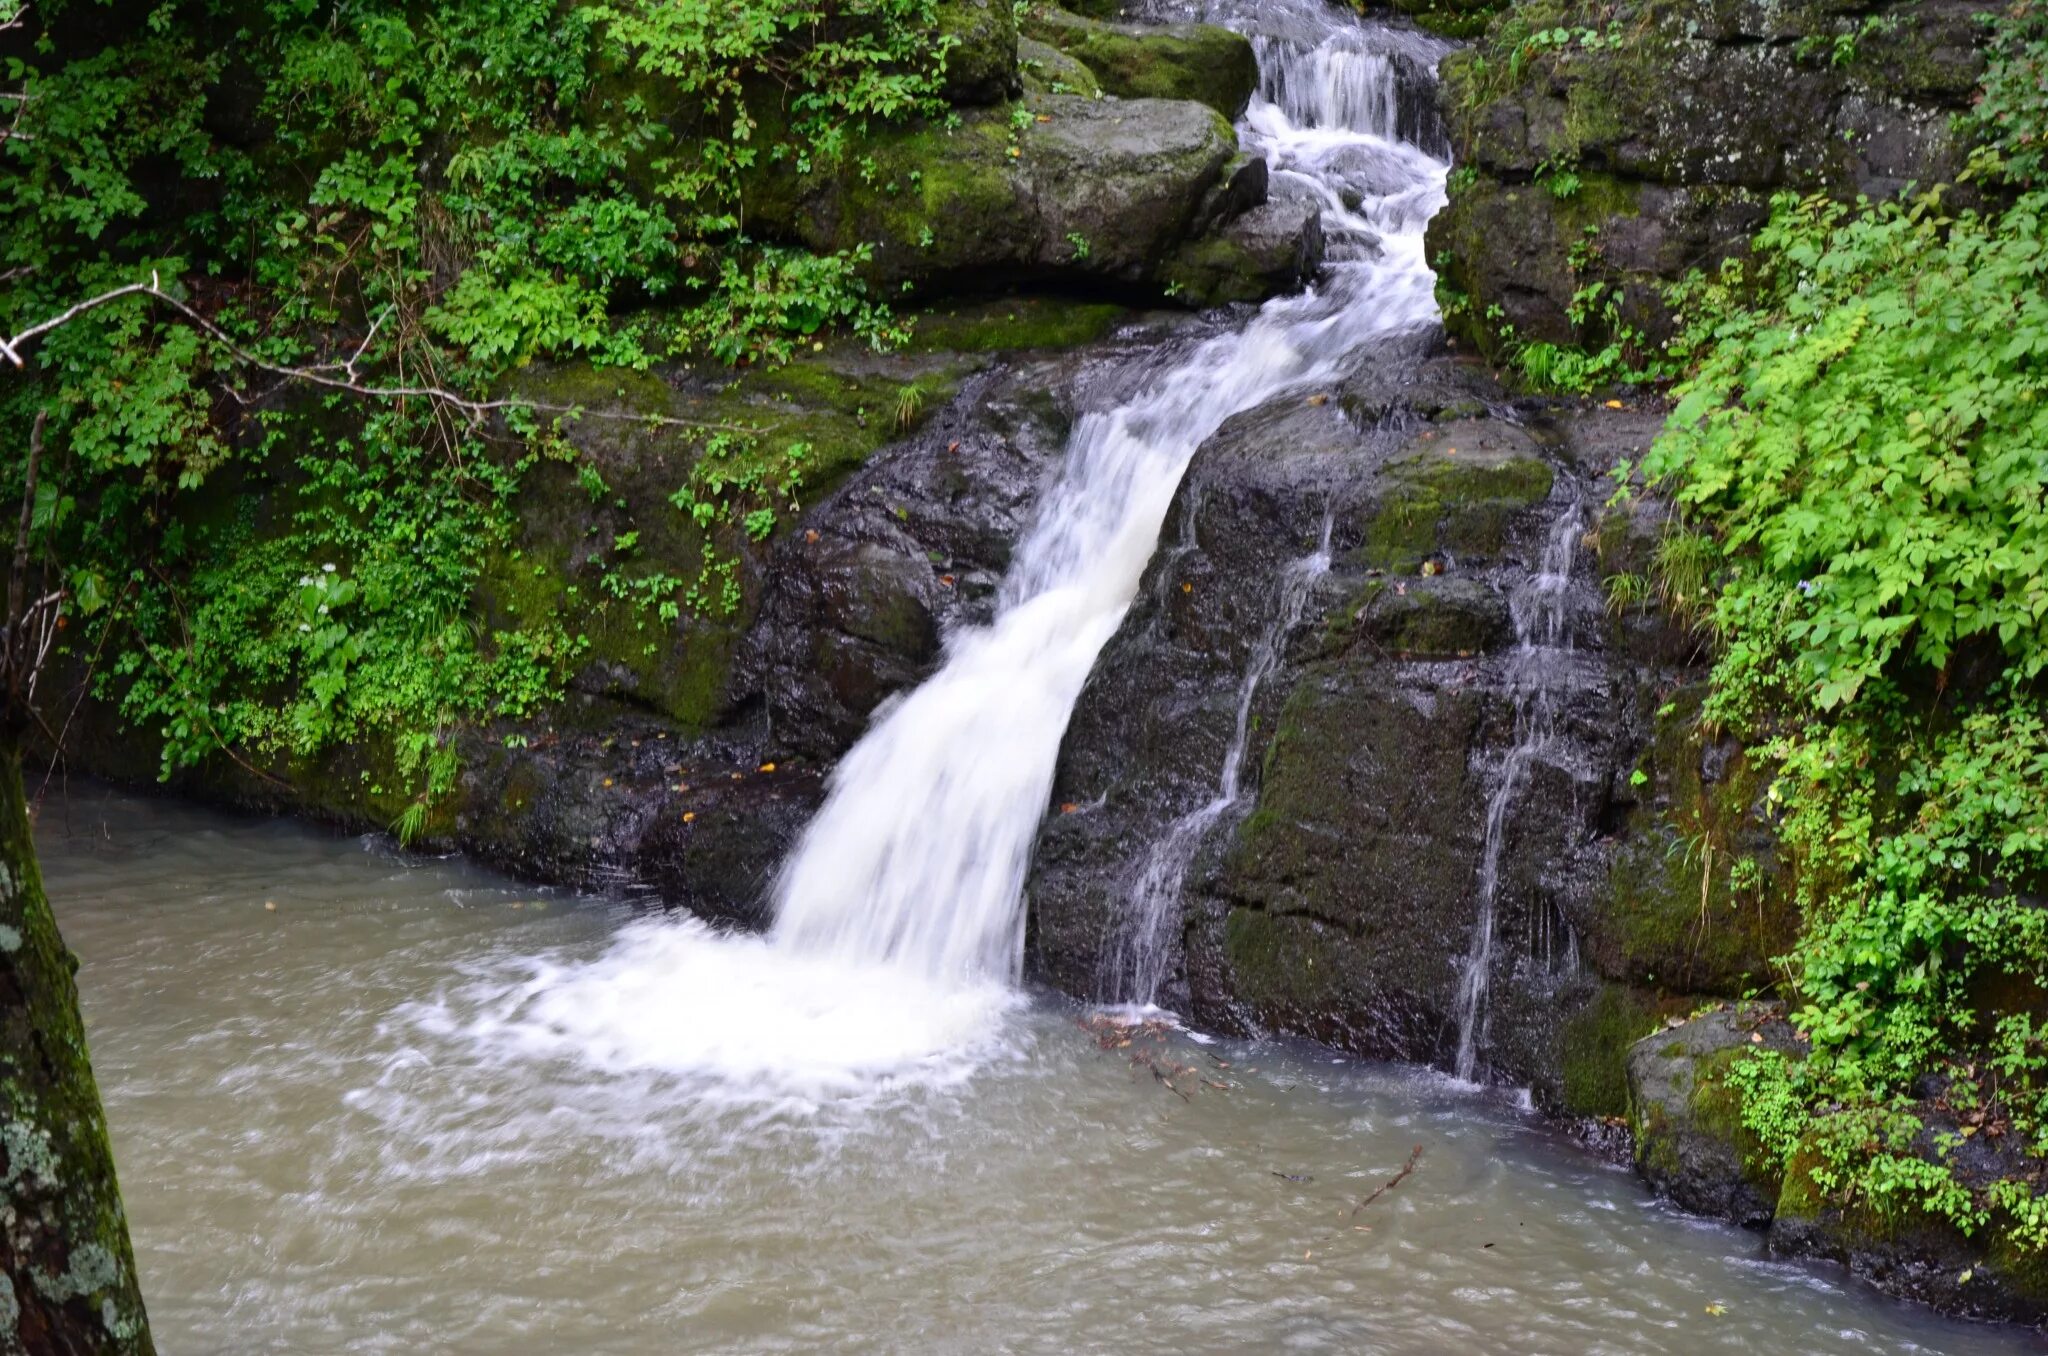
(368, 1120)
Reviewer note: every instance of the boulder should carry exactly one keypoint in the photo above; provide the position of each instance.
(1058, 188)
(1203, 62)
(1691, 1144)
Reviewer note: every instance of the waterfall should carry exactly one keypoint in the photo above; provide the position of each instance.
(1541, 641)
(899, 914)
(919, 855)
(1137, 965)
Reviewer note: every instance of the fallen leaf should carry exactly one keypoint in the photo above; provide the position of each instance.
(812, 535)
(767, 767)
(1717, 1309)
(953, 446)
(607, 781)
(1450, 451)
(1045, 117)
(1756, 1038)
(1318, 400)
(689, 815)
(1614, 404)
(947, 580)
(1069, 808)
(1187, 588)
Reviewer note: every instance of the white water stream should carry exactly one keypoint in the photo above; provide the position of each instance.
(1542, 643)
(900, 915)
(1138, 964)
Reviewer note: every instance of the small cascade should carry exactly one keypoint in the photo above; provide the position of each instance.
(1137, 966)
(1331, 86)
(1542, 641)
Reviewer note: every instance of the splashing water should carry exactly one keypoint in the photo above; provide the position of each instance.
(900, 915)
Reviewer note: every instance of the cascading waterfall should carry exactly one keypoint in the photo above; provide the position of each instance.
(1542, 644)
(1137, 966)
(919, 855)
(900, 914)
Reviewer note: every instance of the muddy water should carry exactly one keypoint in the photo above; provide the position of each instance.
(341, 1126)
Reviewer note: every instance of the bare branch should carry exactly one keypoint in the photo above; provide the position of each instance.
(323, 374)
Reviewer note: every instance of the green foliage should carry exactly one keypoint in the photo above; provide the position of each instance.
(2011, 116)
(404, 195)
(1898, 370)
(1859, 460)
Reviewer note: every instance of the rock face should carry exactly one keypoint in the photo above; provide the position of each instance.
(689, 753)
(1339, 898)
(1649, 140)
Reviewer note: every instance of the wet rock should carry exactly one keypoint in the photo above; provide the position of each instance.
(1202, 62)
(1631, 162)
(1270, 250)
(1691, 1144)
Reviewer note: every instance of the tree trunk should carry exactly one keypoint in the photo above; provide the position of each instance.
(70, 1277)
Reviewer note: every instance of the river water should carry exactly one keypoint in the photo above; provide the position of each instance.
(335, 1135)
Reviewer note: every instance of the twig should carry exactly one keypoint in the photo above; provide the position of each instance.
(1414, 1157)
(323, 374)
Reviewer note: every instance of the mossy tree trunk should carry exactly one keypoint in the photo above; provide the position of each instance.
(69, 1269)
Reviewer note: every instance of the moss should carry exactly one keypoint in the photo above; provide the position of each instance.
(1452, 18)
(1048, 70)
(1202, 62)
(1279, 964)
(1031, 322)
(1674, 913)
(1593, 1049)
(1453, 492)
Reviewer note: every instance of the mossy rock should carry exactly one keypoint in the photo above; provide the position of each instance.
(1452, 492)
(1908, 1250)
(1452, 18)
(1593, 1048)
(1697, 898)
(567, 565)
(1010, 324)
(1060, 188)
(1202, 62)
(1691, 1143)
(1047, 70)
(982, 66)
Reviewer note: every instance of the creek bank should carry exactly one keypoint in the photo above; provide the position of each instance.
(1692, 1145)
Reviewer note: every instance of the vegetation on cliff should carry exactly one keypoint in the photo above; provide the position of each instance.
(1857, 456)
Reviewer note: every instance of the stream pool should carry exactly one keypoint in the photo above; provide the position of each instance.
(341, 1126)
